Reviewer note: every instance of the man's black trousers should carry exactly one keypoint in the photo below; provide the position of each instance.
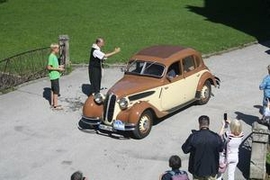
(95, 79)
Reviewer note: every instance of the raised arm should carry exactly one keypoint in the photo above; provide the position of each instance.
(116, 50)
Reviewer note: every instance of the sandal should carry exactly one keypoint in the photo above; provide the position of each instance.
(57, 108)
(53, 106)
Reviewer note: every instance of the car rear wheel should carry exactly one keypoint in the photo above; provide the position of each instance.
(205, 93)
(144, 125)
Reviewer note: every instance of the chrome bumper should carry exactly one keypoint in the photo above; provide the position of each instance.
(117, 125)
(91, 121)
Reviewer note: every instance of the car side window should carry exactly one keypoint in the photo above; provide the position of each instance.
(174, 70)
(136, 67)
(153, 69)
(188, 64)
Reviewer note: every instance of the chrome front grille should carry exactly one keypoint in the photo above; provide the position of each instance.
(109, 107)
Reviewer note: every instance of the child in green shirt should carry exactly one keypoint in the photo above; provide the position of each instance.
(54, 74)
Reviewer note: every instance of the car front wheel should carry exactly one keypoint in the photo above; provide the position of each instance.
(144, 125)
(205, 93)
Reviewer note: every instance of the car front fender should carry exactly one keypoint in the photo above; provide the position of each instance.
(133, 114)
(92, 109)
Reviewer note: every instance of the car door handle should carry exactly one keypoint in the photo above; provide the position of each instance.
(166, 87)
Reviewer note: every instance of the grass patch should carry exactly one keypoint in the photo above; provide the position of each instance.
(207, 26)
(5, 91)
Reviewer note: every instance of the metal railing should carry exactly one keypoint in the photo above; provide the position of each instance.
(23, 67)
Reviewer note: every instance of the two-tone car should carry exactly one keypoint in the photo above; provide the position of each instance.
(157, 81)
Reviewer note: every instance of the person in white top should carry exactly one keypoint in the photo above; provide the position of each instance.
(95, 63)
(232, 139)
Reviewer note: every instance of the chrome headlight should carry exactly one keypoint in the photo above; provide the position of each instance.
(99, 98)
(123, 103)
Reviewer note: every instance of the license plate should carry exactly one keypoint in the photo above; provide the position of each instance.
(119, 125)
(105, 127)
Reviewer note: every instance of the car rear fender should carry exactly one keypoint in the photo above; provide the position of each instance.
(207, 76)
(91, 108)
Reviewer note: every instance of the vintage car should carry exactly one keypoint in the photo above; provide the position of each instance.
(157, 81)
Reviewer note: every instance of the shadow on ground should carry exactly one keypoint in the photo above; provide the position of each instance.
(248, 16)
(245, 155)
(159, 120)
(47, 94)
(86, 89)
(94, 130)
(260, 108)
(248, 119)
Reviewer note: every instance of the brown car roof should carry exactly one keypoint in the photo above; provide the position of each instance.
(161, 51)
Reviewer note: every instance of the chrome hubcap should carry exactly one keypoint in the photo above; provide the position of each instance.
(205, 92)
(144, 124)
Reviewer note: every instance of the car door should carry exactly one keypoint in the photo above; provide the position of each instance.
(172, 94)
(191, 77)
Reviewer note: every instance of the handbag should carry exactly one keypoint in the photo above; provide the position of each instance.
(223, 163)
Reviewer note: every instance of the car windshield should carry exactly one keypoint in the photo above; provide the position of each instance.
(147, 68)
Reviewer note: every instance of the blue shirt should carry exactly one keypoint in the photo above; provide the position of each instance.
(265, 86)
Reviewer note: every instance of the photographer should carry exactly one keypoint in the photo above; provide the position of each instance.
(232, 139)
(204, 147)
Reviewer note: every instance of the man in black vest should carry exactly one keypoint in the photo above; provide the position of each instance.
(95, 64)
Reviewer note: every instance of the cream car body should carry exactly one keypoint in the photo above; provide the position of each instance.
(158, 80)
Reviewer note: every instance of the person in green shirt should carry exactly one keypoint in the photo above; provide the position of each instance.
(54, 74)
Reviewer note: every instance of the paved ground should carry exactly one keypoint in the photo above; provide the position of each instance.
(38, 143)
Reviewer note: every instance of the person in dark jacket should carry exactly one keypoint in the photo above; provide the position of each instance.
(204, 146)
(95, 63)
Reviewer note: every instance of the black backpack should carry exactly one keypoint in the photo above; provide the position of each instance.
(179, 176)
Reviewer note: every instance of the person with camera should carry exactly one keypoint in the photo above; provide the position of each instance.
(204, 146)
(232, 139)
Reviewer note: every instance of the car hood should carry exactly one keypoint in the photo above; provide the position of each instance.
(131, 84)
